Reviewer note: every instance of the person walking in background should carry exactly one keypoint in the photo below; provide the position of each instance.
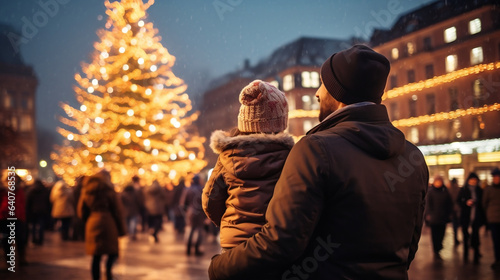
(20, 218)
(250, 161)
(342, 200)
(100, 209)
(139, 190)
(63, 206)
(78, 225)
(38, 210)
(195, 215)
(154, 201)
(131, 209)
(438, 209)
(491, 203)
(470, 199)
(179, 209)
(455, 214)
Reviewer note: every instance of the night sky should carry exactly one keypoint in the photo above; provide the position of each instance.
(206, 42)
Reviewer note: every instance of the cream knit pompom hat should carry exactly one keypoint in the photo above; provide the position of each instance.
(264, 109)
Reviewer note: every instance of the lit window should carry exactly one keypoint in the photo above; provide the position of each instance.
(13, 123)
(431, 132)
(413, 137)
(451, 63)
(478, 90)
(410, 47)
(291, 103)
(476, 55)
(7, 100)
(394, 112)
(26, 124)
(450, 34)
(395, 53)
(275, 83)
(306, 102)
(474, 26)
(315, 79)
(307, 126)
(310, 79)
(412, 105)
(288, 83)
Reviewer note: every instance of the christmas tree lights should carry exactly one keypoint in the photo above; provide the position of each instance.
(134, 113)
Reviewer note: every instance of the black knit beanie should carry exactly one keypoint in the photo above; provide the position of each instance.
(355, 75)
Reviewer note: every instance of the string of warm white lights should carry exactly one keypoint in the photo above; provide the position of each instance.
(439, 80)
(446, 116)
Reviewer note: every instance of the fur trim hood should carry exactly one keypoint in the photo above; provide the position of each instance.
(221, 140)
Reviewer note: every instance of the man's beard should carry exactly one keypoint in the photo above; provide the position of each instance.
(326, 107)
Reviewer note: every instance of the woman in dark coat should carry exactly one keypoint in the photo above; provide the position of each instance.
(38, 210)
(470, 200)
(100, 209)
(154, 201)
(132, 207)
(438, 213)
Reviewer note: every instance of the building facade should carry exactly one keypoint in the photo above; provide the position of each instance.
(293, 68)
(18, 85)
(443, 89)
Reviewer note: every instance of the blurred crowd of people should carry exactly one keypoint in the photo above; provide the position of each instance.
(471, 207)
(95, 212)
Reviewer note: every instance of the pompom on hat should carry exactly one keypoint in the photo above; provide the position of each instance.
(355, 75)
(263, 109)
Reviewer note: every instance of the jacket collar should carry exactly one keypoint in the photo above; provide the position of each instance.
(368, 113)
(221, 140)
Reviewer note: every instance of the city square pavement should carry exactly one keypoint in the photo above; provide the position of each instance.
(168, 260)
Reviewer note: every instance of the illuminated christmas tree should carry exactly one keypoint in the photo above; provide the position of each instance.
(134, 116)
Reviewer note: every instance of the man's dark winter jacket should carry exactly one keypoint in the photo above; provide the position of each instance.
(349, 205)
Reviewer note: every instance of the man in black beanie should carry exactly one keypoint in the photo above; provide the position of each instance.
(349, 202)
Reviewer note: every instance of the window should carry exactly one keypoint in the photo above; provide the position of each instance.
(306, 102)
(411, 76)
(431, 132)
(476, 127)
(410, 48)
(450, 34)
(310, 79)
(291, 103)
(453, 98)
(307, 126)
(429, 71)
(451, 63)
(26, 101)
(478, 90)
(275, 84)
(7, 100)
(394, 111)
(26, 124)
(394, 81)
(455, 130)
(13, 123)
(457, 173)
(476, 55)
(412, 104)
(427, 43)
(431, 103)
(288, 82)
(395, 53)
(474, 26)
(413, 135)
